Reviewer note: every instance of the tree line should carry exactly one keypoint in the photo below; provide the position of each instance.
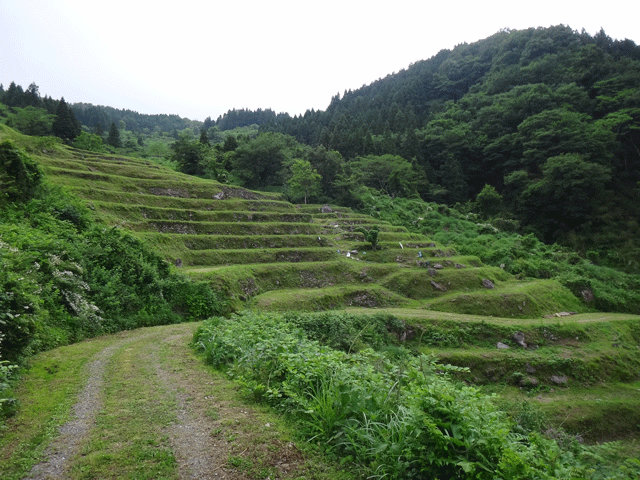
(538, 129)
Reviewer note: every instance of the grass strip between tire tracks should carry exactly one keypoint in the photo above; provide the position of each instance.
(162, 414)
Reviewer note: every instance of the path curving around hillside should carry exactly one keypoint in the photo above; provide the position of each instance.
(148, 396)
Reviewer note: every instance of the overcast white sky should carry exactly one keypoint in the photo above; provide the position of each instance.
(202, 58)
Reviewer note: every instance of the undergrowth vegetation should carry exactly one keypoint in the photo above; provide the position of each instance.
(384, 411)
(600, 287)
(64, 278)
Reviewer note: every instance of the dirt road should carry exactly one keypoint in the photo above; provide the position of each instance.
(151, 409)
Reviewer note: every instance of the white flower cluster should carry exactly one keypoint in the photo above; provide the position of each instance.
(485, 228)
(72, 286)
(8, 247)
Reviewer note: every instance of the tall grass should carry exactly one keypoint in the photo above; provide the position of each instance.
(402, 418)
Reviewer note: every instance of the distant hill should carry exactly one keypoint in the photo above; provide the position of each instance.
(543, 122)
(549, 117)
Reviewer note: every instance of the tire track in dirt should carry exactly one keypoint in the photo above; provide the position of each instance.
(208, 430)
(67, 444)
(199, 451)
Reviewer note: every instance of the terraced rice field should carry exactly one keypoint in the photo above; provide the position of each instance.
(269, 254)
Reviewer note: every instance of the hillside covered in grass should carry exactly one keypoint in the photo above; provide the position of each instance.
(447, 257)
(94, 243)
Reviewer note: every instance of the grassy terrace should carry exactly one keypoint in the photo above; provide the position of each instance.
(268, 254)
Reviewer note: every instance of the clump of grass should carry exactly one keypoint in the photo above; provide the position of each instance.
(392, 420)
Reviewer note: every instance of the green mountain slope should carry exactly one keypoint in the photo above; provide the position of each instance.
(261, 250)
(264, 253)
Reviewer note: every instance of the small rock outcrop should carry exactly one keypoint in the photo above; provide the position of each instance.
(528, 382)
(559, 379)
(518, 337)
(326, 209)
(486, 283)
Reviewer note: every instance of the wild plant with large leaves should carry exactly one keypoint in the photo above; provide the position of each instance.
(388, 418)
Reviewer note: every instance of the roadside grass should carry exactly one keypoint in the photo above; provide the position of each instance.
(131, 438)
(258, 442)
(46, 393)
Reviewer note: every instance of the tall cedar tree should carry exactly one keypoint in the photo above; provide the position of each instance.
(114, 136)
(66, 125)
(204, 139)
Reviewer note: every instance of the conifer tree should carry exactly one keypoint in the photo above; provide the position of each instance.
(32, 96)
(114, 136)
(204, 139)
(66, 125)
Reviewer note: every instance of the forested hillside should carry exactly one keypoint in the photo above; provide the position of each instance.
(536, 131)
(548, 117)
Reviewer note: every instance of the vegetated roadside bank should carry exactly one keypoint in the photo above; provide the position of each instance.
(384, 411)
(158, 413)
(64, 277)
(579, 371)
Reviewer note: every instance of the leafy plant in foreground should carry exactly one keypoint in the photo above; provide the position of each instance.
(402, 419)
(370, 235)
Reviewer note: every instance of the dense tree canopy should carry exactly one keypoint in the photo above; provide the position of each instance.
(516, 111)
(260, 162)
(189, 154)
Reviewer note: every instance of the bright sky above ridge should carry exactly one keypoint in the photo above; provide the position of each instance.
(198, 59)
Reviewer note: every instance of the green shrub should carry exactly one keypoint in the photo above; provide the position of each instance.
(20, 176)
(63, 278)
(392, 419)
(347, 332)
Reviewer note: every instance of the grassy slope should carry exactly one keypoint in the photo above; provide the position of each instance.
(266, 253)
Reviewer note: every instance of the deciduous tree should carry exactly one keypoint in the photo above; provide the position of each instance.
(189, 154)
(304, 181)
